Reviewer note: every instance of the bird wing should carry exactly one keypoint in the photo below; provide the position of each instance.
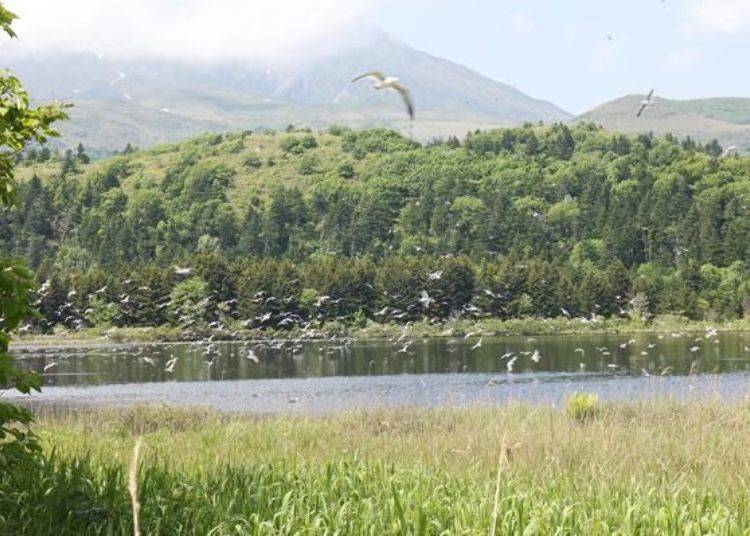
(406, 96)
(650, 95)
(372, 74)
(640, 112)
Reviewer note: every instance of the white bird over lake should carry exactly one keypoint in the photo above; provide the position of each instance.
(252, 356)
(646, 103)
(389, 82)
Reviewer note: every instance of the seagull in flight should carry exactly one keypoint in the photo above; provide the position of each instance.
(390, 82)
(646, 103)
(729, 150)
(426, 300)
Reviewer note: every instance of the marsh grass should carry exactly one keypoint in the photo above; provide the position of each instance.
(649, 468)
(582, 407)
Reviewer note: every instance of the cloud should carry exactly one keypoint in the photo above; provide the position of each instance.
(718, 16)
(188, 28)
(522, 24)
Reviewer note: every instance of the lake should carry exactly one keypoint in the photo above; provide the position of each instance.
(319, 376)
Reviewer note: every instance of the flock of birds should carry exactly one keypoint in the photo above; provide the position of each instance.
(229, 327)
(77, 312)
(264, 349)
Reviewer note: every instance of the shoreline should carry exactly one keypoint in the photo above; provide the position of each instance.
(100, 337)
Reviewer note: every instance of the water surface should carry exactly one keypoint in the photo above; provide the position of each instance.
(271, 376)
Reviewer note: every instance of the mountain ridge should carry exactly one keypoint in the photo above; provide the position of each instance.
(151, 101)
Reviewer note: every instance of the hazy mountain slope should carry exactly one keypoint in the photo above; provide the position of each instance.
(724, 119)
(147, 101)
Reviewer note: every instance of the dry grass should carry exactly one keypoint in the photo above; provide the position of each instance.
(699, 444)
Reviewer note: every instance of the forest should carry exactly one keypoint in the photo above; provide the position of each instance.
(276, 229)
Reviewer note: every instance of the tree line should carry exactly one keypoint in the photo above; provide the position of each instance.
(544, 218)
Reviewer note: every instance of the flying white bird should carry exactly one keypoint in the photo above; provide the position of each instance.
(171, 365)
(729, 150)
(646, 103)
(390, 82)
(426, 300)
(120, 76)
(182, 271)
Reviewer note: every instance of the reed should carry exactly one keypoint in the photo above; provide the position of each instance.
(133, 486)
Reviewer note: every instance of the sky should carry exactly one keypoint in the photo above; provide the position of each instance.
(575, 53)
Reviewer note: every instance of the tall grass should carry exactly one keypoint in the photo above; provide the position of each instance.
(651, 468)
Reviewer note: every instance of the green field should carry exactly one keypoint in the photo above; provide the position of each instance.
(653, 468)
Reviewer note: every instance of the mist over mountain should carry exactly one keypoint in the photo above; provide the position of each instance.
(146, 101)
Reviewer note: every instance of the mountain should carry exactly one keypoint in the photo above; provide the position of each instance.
(148, 101)
(724, 119)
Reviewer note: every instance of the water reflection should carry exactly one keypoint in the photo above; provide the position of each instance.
(644, 355)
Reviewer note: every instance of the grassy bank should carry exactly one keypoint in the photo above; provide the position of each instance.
(651, 468)
(373, 330)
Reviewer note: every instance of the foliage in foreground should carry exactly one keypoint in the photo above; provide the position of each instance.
(348, 497)
(20, 124)
(652, 468)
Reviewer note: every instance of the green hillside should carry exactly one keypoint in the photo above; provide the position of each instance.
(505, 223)
(724, 119)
